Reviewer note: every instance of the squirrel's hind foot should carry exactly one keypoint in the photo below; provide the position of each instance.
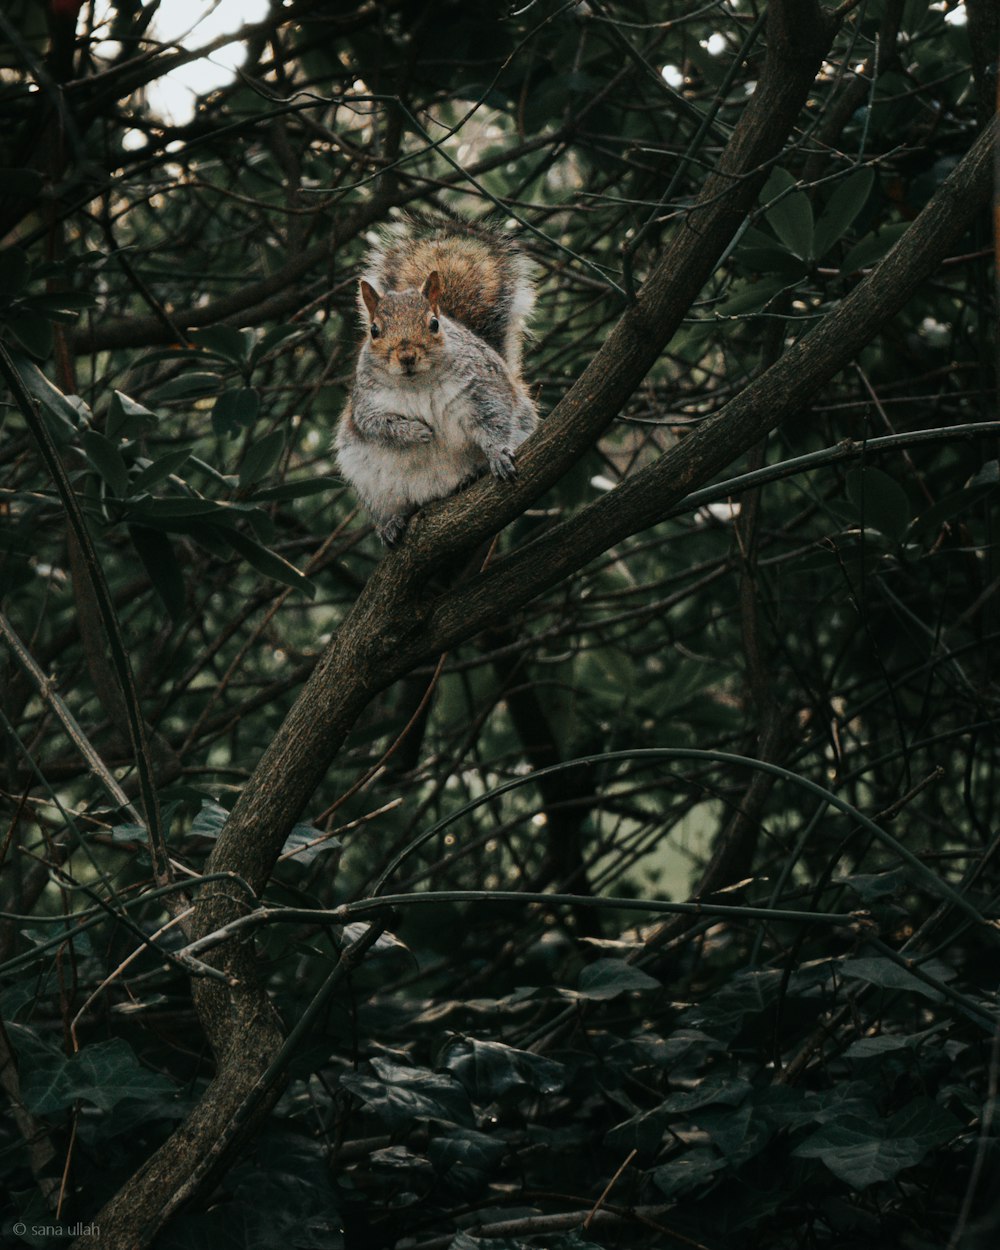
(391, 531)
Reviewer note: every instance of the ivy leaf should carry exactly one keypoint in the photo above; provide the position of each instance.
(607, 978)
(399, 1094)
(877, 970)
(488, 1070)
(103, 1074)
(738, 1134)
(746, 994)
(689, 1171)
(728, 1090)
(465, 1148)
(862, 1153)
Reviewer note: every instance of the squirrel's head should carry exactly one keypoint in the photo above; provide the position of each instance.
(404, 329)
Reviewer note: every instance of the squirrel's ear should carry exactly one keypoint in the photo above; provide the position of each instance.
(431, 290)
(370, 296)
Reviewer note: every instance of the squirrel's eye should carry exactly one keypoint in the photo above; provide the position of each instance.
(434, 327)
(375, 331)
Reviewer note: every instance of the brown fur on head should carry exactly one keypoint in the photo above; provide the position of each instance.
(405, 335)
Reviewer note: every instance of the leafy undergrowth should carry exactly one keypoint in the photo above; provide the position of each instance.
(638, 1099)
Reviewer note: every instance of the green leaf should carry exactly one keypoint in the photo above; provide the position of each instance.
(305, 843)
(235, 410)
(64, 416)
(160, 562)
(886, 1044)
(226, 342)
(209, 821)
(728, 1090)
(488, 1070)
(877, 886)
(879, 502)
(466, 1148)
(790, 217)
(739, 1134)
(187, 386)
(127, 418)
(745, 994)
(847, 200)
(690, 1170)
(33, 332)
(399, 1095)
(864, 1152)
(130, 833)
(105, 457)
(159, 469)
(888, 975)
(103, 1074)
(171, 355)
(747, 297)
(296, 490)
(873, 247)
(988, 474)
(261, 457)
(269, 562)
(607, 978)
(177, 508)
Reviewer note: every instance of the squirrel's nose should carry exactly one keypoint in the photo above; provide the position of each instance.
(407, 358)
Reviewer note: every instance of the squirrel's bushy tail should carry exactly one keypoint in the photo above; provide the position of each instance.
(485, 280)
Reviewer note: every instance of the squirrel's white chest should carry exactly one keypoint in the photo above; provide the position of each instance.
(395, 479)
(442, 405)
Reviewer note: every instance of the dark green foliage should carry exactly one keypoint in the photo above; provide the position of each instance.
(177, 299)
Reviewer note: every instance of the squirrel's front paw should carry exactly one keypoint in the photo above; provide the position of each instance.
(501, 462)
(409, 430)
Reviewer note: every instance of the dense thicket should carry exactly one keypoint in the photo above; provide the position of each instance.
(683, 801)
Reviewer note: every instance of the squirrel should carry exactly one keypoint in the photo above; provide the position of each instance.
(437, 395)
